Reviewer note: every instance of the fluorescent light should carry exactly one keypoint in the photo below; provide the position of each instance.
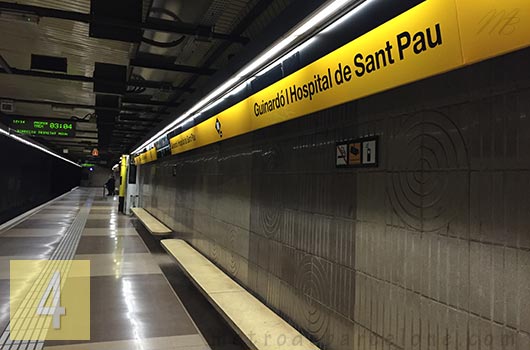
(288, 55)
(265, 57)
(214, 103)
(345, 18)
(241, 87)
(261, 62)
(268, 69)
(34, 145)
(321, 16)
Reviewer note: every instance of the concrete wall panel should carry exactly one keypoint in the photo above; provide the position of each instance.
(427, 251)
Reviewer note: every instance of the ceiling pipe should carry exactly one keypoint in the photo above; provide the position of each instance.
(159, 85)
(160, 62)
(162, 25)
(154, 24)
(135, 124)
(83, 106)
(245, 22)
(46, 12)
(153, 121)
(141, 101)
(128, 131)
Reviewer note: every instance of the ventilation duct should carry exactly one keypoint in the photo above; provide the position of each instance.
(110, 78)
(116, 20)
(49, 63)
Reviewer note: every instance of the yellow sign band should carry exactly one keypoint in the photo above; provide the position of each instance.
(434, 37)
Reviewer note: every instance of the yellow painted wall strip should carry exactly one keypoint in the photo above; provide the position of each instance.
(434, 37)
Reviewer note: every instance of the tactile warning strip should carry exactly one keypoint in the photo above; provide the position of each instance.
(65, 251)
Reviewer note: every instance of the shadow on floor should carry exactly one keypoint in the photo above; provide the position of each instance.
(214, 328)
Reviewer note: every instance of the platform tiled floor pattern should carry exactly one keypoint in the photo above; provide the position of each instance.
(132, 304)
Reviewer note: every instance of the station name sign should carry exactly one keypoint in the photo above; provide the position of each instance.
(404, 45)
(43, 127)
(431, 38)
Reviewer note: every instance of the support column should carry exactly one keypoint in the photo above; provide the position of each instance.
(123, 183)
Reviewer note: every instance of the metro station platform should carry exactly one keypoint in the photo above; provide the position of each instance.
(133, 299)
(289, 175)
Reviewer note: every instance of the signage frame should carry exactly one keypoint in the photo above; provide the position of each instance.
(26, 126)
(363, 163)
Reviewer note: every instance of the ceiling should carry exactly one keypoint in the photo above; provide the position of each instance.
(163, 70)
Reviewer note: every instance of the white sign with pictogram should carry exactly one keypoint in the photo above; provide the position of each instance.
(359, 153)
(342, 155)
(369, 152)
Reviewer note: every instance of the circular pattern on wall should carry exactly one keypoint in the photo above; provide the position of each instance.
(214, 251)
(270, 219)
(312, 281)
(270, 214)
(234, 262)
(427, 158)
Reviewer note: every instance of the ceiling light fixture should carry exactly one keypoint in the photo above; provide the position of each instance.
(34, 145)
(269, 57)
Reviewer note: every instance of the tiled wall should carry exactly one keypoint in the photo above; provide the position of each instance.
(431, 250)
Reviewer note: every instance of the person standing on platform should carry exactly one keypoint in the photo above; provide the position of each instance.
(111, 186)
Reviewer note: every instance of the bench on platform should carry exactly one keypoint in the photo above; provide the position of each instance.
(153, 225)
(257, 325)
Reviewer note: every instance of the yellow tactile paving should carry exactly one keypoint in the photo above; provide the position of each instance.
(29, 283)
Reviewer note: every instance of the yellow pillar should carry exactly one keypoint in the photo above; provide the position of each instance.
(123, 182)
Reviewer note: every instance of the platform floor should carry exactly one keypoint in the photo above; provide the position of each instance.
(134, 304)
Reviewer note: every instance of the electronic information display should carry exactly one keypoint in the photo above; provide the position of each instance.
(43, 127)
